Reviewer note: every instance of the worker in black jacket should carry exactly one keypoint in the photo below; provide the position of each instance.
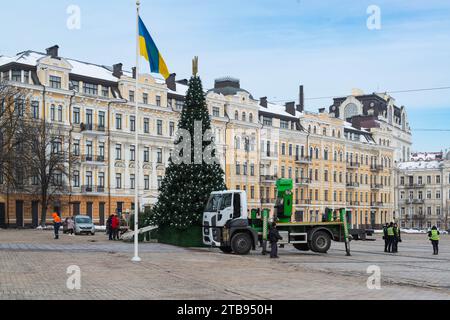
(385, 237)
(274, 237)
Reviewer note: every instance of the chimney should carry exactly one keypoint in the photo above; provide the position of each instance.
(133, 71)
(171, 82)
(117, 70)
(183, 82)
(290, 108)
(322, 110)
(53, 51)
(301, 105)
(263, 102)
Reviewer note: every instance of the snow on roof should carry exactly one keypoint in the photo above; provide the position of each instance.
(91, 70)
(278, 110)
(419, 165)
(181, 90)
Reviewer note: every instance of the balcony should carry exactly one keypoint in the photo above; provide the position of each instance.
(92, 158)
(92, 189)
(377, 204)
(353, 165)
(303, 181)
(376, 167)
(418, 201)
(353, 185)
(376, 186)
(89, 127)
(303, 160)
(414, 186)
(269, 178)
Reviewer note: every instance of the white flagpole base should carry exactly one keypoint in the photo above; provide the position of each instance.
(136, 259)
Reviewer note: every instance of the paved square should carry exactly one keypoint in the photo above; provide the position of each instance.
(33, 266)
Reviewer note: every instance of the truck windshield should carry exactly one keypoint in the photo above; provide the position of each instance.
(213, 203)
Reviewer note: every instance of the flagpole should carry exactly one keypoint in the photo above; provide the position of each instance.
(136, 257)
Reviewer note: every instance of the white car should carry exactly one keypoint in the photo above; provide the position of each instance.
(84, 224)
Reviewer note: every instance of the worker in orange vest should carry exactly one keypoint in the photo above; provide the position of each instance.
(56, 224)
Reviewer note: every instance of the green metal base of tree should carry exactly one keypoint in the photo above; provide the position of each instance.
(189, 238)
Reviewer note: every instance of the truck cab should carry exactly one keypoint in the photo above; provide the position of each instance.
(222, 207)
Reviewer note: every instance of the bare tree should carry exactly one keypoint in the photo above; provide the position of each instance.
(12, 110)
(47, 160)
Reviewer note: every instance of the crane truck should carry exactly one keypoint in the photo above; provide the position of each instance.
(228, 225)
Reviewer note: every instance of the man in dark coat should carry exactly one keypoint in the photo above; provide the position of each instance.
(109, 229)
(385, 237)
(274, 237)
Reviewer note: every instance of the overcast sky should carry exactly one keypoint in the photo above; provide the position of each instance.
(272, 46)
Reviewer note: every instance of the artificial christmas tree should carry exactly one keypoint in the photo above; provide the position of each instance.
(193, 173)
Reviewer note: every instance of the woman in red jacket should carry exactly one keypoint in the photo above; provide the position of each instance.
(115, 225)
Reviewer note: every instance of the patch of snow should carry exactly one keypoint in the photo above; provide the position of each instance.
(91, 70)
(419, 165)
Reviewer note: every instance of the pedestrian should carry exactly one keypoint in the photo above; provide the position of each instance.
(385, 237)
(115, 224)
(396, 239)
(391, 235)
(70, 226)
(56, 225)
(433, 235)
(274, 237)
(109, 229)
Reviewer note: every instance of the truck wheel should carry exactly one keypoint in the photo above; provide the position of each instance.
(302, 246)
(226, 250)
(241, 244)
(320, 242)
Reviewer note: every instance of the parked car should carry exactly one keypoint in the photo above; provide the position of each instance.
(84, 224)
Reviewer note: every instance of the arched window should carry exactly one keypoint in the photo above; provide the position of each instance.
(311, 152)
(244, 116)
(250, 117)
(324, 131)
(315, 130)
(334, 133)
(341, 156)
(335, 156)
(317, 153)
(339, 134)
(325, 154)
(236, 115)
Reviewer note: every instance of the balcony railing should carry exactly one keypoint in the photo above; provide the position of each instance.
(92, 158)
(414, 186)
(353, 185)
(303, 160)
(376, 167)
(377, 204)
(376, 186)
(353, 165)
(269, 178)
(92, 189)
(303, 202)
(302, 180)
(353, 203)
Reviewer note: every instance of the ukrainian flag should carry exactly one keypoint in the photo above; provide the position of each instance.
(150, 52)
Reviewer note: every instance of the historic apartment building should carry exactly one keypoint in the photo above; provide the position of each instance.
(423, 192)
(335, 161)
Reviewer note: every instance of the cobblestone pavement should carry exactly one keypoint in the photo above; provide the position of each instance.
(33, 266)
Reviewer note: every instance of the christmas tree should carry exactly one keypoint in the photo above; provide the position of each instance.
(187, 186)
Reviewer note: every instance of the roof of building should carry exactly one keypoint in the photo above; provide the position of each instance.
(426, 156)
(279, 110)
(419, 165)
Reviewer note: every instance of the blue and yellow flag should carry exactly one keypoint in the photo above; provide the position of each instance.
(150, 52)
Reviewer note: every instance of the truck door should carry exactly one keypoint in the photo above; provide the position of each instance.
(225, 210)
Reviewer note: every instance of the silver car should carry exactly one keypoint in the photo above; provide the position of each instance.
(84, 224)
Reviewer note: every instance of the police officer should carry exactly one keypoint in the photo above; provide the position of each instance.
(396, 239)
(391, 236)
(385, 237)
(433, 235)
